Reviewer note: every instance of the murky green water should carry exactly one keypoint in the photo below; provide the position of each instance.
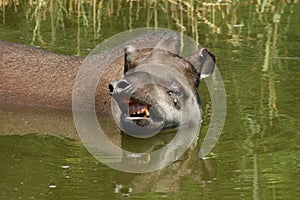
(257, 45)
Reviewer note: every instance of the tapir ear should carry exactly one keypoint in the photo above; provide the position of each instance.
(130, 61)
(164, 42)
(170, 44)
(204, 61)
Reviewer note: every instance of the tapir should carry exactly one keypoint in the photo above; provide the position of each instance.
(149, 83)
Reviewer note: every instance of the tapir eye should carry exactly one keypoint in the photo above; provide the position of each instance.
(174, 95)
(170, 92)
(175, 92)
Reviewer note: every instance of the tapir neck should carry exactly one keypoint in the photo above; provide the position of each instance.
(30, 76)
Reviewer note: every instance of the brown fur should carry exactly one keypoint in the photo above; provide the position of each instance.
(34, 77)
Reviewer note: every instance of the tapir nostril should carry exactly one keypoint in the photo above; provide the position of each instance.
(118, 86)
(123, 84)
(111, 89)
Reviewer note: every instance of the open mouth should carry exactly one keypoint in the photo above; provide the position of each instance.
(140, 119)
(137, 109)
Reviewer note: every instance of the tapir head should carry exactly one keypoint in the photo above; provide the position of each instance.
(159, 89)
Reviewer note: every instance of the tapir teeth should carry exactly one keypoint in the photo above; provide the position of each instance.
(137, 109)
(147, 112)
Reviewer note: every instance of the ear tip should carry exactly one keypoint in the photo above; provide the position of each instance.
(129, 49)
(202, 76)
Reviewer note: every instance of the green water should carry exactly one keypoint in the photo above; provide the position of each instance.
(257, 46)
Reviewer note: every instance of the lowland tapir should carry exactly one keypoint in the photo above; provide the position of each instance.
(150, 84)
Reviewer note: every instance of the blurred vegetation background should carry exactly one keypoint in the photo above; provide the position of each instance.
(46, 21)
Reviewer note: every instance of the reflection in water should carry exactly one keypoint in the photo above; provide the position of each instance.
(24, 120)
(95, 139)
(165, 180)
(139, 151)
(65, 163)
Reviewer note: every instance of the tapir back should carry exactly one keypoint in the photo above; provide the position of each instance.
(30, 76)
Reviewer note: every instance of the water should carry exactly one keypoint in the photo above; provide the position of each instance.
(257, 46)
